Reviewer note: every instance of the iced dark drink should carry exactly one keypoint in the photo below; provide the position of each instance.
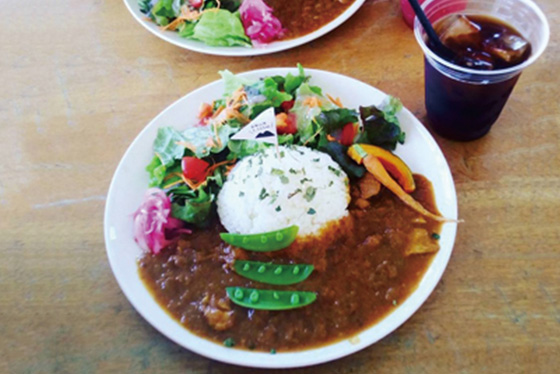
(465, 94)
(465, 111)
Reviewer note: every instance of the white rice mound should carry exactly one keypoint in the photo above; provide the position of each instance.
(264, 192)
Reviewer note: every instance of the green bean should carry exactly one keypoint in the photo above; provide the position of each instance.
(281, 275)
(270, 299)
(264, 242)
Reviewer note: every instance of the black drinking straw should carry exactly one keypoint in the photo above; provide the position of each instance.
(439, 48)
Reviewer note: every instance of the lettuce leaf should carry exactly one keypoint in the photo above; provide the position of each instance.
(305, 113)
(186, 29)
(166, 147)
(221, 28)
(293, 82)
(233, 82)
(157, 172)
(264, 94)
(164, 11)
(194, 209)
(199, 137)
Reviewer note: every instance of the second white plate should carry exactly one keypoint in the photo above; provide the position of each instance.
(173, 38)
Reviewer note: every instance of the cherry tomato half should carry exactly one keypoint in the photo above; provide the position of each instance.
(194, 168)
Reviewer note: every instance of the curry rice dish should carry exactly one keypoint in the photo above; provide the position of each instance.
(363, 253)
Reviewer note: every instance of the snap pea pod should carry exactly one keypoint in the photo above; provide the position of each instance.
(264, 242)
(270, 299)
(280, 275)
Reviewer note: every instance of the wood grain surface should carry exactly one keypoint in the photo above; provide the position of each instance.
(80, 79)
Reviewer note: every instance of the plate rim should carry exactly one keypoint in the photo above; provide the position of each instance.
(310, 355)
(238, 51)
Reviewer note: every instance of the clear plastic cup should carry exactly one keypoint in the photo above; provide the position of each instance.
(462, 103)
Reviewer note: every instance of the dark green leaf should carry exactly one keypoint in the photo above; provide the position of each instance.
(338, 152)
(334, 119)
(381, 127)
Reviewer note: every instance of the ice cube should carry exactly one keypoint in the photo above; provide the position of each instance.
(476, 60)
(459, 31)
(507, 47)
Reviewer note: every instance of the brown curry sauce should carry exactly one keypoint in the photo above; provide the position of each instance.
(361, 274)
(305, 16)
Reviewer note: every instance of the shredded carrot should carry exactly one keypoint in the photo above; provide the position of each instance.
(374, 166)
(212, 168)
(336, 101)
(311, 101)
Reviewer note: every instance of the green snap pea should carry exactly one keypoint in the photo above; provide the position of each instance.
(270, 299)
(266, 272)
(264, 242)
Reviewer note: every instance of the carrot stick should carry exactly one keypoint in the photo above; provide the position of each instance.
(374, 166)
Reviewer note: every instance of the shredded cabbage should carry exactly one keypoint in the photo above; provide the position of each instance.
(259, 22)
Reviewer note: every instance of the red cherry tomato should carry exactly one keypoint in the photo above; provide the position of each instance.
(286, 123)
(194, 168)
(348, 134)
(196, 3)
(287, 105)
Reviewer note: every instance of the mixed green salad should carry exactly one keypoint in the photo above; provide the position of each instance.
(190, 166)
(216, 22)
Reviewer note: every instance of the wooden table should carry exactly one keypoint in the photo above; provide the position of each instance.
(80, 79)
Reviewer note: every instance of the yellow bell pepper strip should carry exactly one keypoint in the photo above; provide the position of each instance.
(392, 163)
(375, 167)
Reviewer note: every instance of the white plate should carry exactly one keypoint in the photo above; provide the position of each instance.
(173, 38)
(130, 181)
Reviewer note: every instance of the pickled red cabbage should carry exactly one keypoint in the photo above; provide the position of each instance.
(153, 221)
(259, 22)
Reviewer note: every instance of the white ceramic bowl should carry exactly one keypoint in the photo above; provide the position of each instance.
(173, 38)
(130, 181)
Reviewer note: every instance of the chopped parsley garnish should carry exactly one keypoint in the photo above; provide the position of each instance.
(311, 211)
(278, 208)
(335, 171)
(331, 183)
(436, 236)
(309, 193)
(293, 171)
(395, 302)
(305, 180)
(282, 154)
(263, 194)
(275, 171)
(229, 342)
(274, 196)
(284, 179)
(294, 193)
(259, 172)
(316, 159)
(241, 193)
(273, 351)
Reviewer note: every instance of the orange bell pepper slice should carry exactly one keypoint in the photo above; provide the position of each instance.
(391, 162)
